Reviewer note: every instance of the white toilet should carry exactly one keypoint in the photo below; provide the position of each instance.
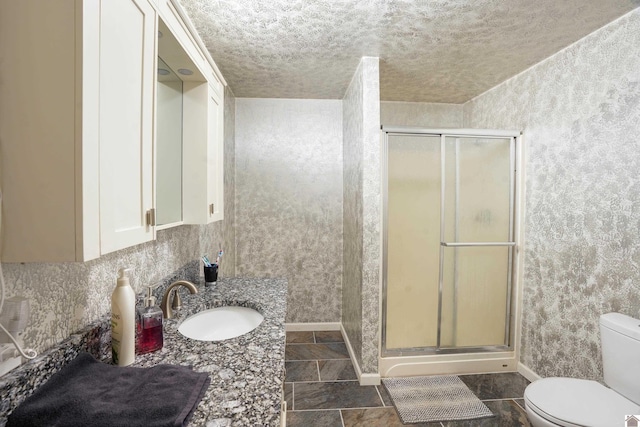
(573, 402)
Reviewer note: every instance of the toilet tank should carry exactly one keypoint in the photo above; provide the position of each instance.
(620, 338)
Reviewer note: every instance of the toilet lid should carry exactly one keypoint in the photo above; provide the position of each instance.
(571, 401)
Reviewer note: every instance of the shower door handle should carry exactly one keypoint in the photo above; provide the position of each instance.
(462, 244)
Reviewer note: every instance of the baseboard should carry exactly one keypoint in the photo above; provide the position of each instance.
(528, 373)
(364, 379)
(322, 326)
(369, 379)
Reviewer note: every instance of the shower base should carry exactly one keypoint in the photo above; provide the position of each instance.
(441, 364)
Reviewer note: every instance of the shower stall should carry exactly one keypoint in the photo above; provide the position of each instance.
(450, 228)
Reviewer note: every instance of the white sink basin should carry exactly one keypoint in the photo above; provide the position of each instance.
(220, 323)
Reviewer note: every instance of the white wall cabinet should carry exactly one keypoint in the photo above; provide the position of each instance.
(76, 127)
(77, 124)
(203, 125)
(215, 155)
(203, 154)
(127, 99)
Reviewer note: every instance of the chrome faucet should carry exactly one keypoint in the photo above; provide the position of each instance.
(176, 303)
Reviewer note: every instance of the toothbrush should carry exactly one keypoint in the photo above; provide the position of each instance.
(206, 261)
(219, 256)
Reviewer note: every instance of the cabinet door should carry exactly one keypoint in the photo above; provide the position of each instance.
(38, 101)
(127, 99)
(203, 150)
(215, 164)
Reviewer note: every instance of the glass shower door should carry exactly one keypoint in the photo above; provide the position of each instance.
(477, 242)
(448, 243)
(413, 241)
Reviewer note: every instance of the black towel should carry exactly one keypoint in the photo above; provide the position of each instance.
(90, 393)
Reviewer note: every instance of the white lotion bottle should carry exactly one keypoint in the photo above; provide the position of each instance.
(123, 323)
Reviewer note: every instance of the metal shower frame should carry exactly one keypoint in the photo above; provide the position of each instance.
(444, 133)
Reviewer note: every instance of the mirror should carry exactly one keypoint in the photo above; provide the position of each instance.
(177, 76)
(168, 146)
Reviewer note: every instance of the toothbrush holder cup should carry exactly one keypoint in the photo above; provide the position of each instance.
(211, 274)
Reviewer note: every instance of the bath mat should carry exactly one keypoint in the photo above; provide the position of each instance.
(434, 398)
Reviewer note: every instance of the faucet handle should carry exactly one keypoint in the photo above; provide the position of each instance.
(176, 302)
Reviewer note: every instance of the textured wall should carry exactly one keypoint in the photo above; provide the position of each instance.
(580, 111)
(423, 114)
(289, 200)
(362, 210)
(65, 297)
(352, 124)
(372, 214)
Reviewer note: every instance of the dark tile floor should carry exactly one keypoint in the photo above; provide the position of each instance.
(322, 390)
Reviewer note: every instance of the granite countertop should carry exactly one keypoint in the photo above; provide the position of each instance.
(247, 372)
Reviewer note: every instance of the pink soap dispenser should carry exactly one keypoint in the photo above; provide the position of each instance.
(149, 326)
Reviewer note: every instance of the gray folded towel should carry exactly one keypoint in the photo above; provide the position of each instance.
(90, 393)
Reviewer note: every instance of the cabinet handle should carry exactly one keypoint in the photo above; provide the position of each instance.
(151, 217)
(211, 209)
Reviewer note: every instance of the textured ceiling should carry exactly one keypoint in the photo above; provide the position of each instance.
(430, 50)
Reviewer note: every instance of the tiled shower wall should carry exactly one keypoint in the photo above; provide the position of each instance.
(580, 113)
(362, 207)
(65, 297)
(289, 200)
